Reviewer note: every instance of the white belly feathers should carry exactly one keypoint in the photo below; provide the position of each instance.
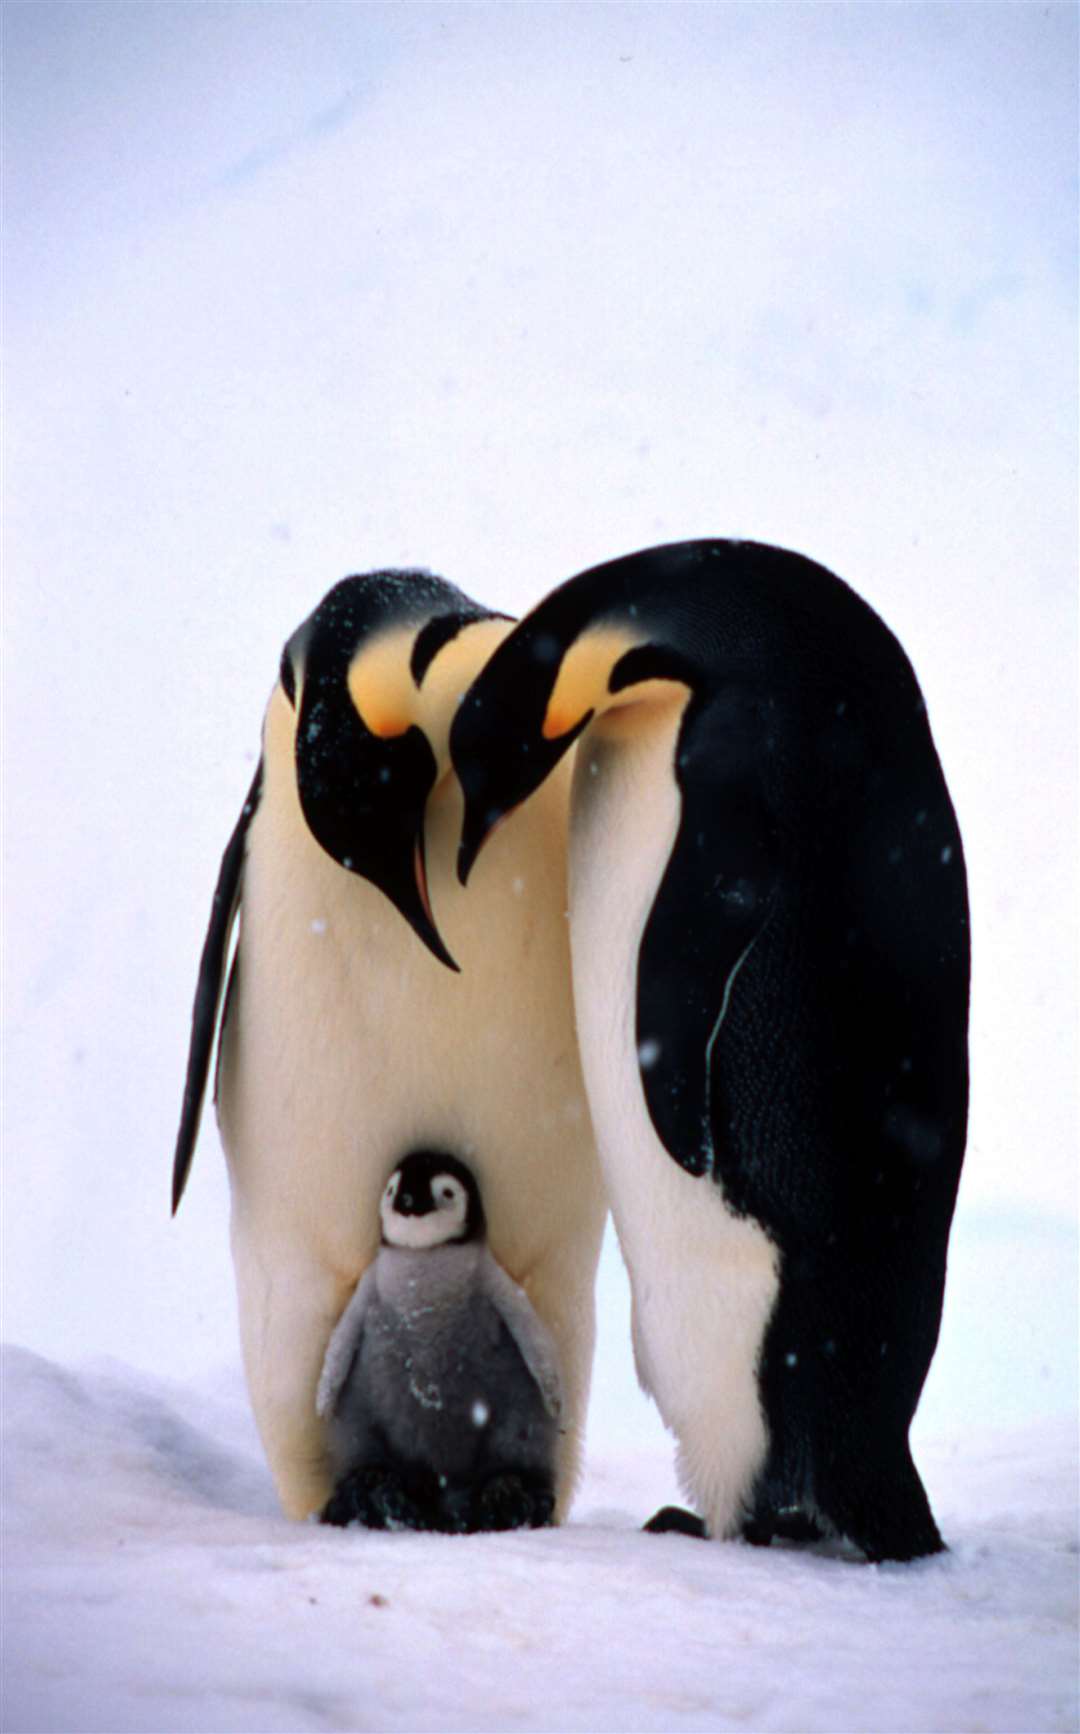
(347, 1044)
(704, 1281)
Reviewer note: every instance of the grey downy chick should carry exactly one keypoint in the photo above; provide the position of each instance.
(440, 1390)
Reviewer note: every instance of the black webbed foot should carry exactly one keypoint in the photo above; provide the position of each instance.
(384, 1497)
(512, 1501)
(378, 1498)
(673, 1520)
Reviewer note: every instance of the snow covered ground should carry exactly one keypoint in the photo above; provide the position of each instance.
(150, 1583)
(504, 290)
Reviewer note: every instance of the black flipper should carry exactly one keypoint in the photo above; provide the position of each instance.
(210, 988)
(711, 907)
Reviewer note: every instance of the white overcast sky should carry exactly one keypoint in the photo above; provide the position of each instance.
(291, 291)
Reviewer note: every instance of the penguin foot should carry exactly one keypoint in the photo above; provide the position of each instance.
(513, 1501)
(673, 1520)
(380, 1497)
(376, 1498)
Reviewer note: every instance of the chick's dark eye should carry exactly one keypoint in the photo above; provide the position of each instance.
(448, 1192)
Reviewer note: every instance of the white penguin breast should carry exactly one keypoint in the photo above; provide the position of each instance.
(349, 1044)
(703, 1280)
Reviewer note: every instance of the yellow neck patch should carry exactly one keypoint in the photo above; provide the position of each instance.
(452, 671)
(386, 697)
(582, 681)
(381, 685)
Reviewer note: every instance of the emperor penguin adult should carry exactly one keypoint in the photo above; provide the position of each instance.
(769, 932)
(373, 1009)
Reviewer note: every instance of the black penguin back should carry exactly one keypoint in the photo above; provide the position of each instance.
(820, 859)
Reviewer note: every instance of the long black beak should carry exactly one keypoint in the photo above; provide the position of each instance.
(399, 872)
(516, 771)
(477, 827)
(363, 800)
(409, 892)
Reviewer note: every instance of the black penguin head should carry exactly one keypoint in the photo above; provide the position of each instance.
(705, 615)
(431, 1199)
(364, 767)
(591, 640)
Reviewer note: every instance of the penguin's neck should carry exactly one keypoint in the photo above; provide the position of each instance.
(447, 680)
(407, 1277)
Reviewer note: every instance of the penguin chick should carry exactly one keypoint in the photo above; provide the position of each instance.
(440, 1390)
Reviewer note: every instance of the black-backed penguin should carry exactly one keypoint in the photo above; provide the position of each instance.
(440, 1390)
(350, 1038)
(769, 932)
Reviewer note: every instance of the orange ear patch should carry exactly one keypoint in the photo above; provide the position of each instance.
(386, 721)
(582, 681)
(381, 685)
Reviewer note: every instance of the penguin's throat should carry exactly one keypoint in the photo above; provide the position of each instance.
(410, 1278)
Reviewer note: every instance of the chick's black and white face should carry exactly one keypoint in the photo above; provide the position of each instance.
(421, 1211)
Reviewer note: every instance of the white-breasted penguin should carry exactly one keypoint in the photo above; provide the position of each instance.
(346, 1043)
(441, 1389)
(769, 932)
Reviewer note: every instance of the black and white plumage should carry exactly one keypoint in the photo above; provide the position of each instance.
(375, 1008)
(440, 1391)
(769, 931)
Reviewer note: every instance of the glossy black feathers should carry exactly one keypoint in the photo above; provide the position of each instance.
(802, 978)
(210, 987)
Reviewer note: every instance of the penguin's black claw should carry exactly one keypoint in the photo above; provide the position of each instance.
(374, 1498)
(542, 1514)
(673, 1520)
(343, 1506)
(509, 1502)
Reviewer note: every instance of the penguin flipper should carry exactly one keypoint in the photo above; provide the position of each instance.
(210, 988)
(530, 1334)
(713, 903)
(344, 1346)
